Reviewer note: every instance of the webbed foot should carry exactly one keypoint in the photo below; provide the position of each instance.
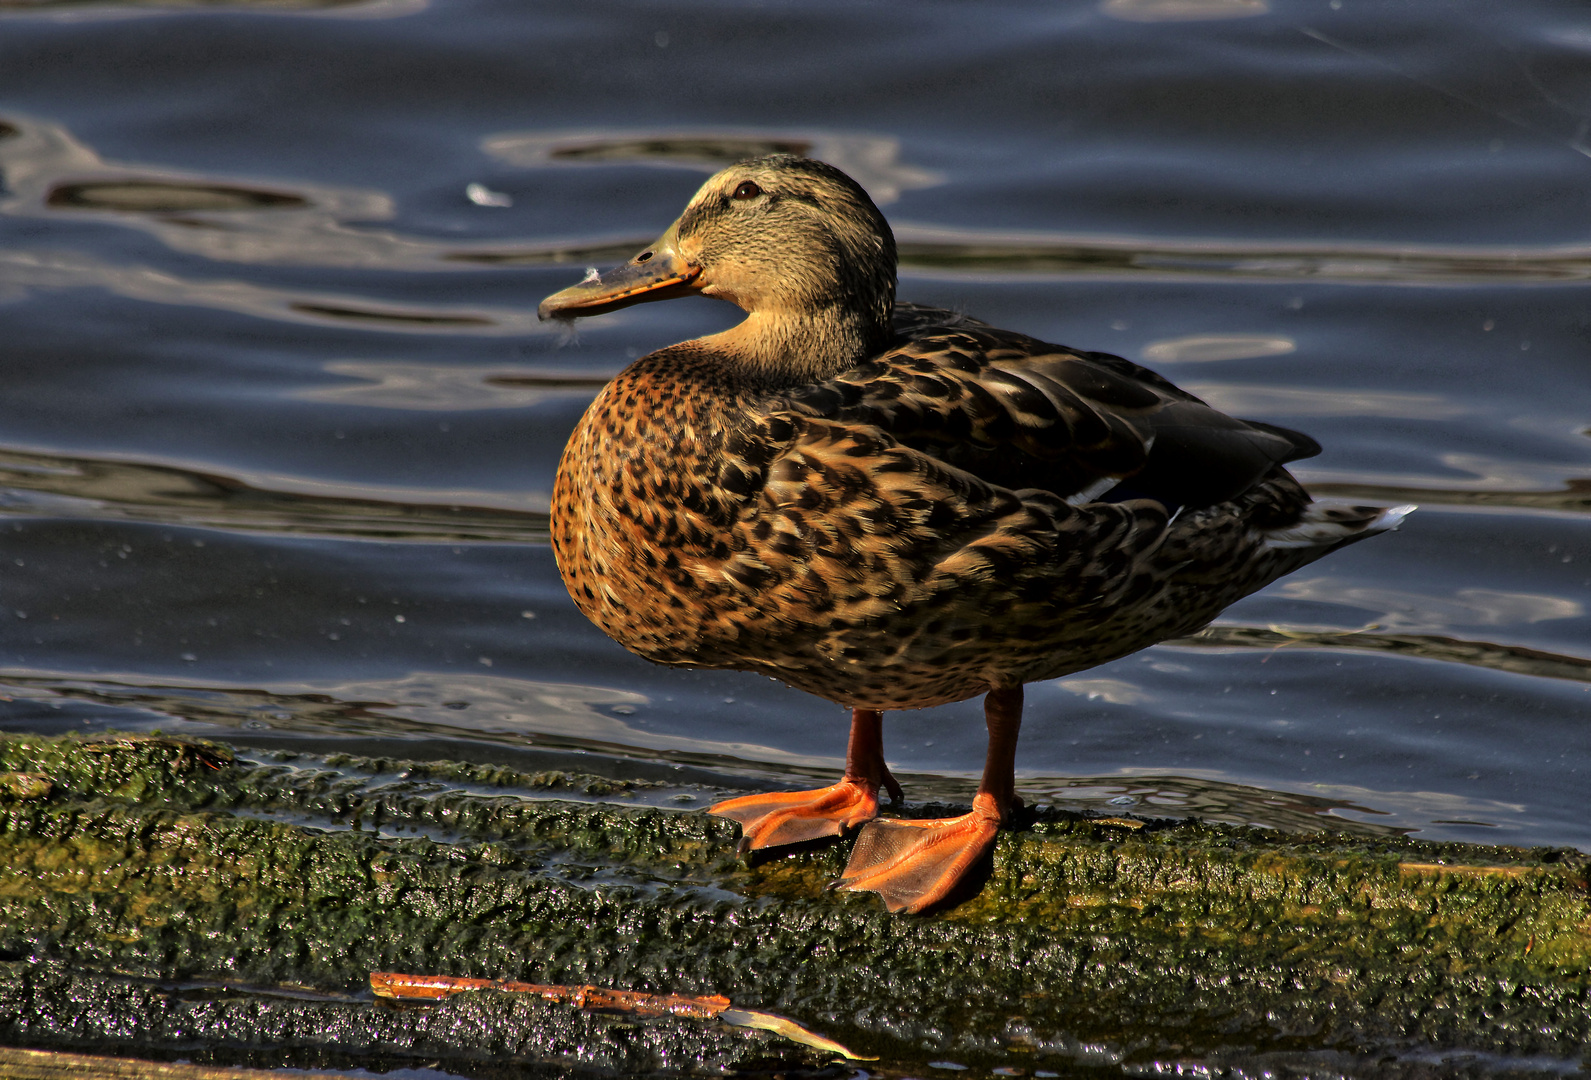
(914, 865)
(794, 817)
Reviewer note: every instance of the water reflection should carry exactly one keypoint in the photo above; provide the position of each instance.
(393, 384)
(1206, 348)
(1332, 808)
(53, 486)
(80, 10)
(469, 708)
(522, 715)
(1471, 480)
(229, 219)
(1241, 400)
(1404, 610)
(871, 160)
(1183, 10)
(49, 173)
(937, 249)
(1516, 659)
(150, 196)
(22, 272)
(1115, 691)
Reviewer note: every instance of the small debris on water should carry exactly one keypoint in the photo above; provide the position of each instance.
(481, 195)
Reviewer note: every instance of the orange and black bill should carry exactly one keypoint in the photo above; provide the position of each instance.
(659, 272)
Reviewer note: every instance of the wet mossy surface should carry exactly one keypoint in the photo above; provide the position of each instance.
(161, 897)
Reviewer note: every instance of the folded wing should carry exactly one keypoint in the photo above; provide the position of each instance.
(1021, 413)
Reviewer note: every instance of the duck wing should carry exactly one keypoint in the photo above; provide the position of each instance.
(1021, 413)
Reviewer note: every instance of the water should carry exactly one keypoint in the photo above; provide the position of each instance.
(279, 425)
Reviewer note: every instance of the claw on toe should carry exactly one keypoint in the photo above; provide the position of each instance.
(914, 865)
(779, 818)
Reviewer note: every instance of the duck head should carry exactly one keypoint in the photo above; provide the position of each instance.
(794, 242)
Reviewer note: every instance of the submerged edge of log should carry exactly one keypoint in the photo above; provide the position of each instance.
(18, 1064)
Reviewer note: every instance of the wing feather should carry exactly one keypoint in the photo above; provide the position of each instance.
(1021, 413)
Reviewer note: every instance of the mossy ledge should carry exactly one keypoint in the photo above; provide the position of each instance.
(164, 898)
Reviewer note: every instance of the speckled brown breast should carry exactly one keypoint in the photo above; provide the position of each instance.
(701, 521)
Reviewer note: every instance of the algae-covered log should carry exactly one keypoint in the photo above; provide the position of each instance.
(160, 897)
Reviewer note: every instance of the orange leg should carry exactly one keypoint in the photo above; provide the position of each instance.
(916, 864)
(792, 817)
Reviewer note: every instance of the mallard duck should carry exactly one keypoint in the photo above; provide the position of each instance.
(893, 506)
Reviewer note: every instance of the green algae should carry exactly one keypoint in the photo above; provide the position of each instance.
(150, 864)
(22, 785)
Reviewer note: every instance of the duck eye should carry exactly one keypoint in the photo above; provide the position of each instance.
(747, 190)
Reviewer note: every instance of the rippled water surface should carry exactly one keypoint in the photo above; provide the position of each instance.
(278, 424)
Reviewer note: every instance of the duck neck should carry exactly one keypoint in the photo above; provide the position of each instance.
(782, 348)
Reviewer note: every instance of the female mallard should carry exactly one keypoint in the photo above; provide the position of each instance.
(892, 506)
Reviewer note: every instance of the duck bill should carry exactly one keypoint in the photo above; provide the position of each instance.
(659, 272)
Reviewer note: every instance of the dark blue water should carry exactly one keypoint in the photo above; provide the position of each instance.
(278, 424)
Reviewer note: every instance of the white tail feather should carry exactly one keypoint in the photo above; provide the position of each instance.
(1325, 525)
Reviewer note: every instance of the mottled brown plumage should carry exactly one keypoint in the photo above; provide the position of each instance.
(892, 506)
